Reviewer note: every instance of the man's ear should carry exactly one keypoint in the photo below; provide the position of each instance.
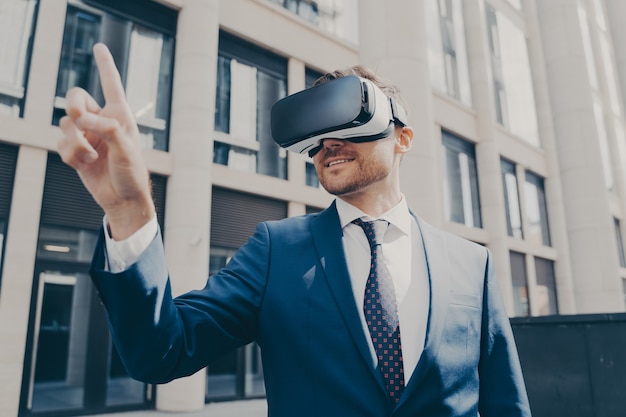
(404, 139)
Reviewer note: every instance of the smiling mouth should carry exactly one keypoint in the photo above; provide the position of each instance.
(337, 162)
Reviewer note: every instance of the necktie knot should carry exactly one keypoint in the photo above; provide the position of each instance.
(374, 230)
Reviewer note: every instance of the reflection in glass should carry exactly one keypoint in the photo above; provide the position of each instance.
(519, 279)
(311, 175)
(148, 81)
(511, 200)
(461, 197)
(545, 293)
(513, 87)
(77, 68)
(339, 17)
(245, 96)
(221, 374)
(144, 57)
(60, 344)
(447, 49)
(255, 385)
(16, 25)
(239, 373)
(73, 363)
(536, 210)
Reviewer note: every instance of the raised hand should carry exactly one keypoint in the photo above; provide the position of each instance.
(103, 145)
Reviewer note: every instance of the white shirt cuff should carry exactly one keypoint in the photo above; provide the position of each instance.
(121, 254)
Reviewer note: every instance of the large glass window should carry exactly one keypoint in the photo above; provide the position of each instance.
(16, 29)
(339, 17)
(461, 198)
(144, 54)
(513, 87)
(249, 81)
(234, 216)
(521, 305)
(447, 52)
(70, 339)
(70, 365)
(311, 174)
(545, 293)
(536, 210)
(237, 374)
(511, 199)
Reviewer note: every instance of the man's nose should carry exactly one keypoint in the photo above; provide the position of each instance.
(332, 143)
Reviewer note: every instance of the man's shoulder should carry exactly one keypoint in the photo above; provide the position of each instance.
(453, 242)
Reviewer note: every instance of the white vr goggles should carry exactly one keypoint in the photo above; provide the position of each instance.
(350, 108)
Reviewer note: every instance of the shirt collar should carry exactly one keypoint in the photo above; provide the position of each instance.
(398, 216)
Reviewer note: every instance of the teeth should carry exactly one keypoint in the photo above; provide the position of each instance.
(337, 162)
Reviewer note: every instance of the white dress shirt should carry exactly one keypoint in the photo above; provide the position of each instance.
(404, 256)
(403, 253)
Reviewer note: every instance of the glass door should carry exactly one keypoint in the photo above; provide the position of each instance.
(72, 367)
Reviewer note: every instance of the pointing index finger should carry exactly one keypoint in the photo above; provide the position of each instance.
(109, 75)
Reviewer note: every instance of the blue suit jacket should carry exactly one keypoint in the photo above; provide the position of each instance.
(288, 288)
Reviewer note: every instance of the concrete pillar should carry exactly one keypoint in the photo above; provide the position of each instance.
(595, 266)
(395, 45)
(296, 82)
(17, 276)
(553, 185)
(492, 205)
(188, 205)
(46, 55)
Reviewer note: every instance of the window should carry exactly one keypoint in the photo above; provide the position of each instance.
(312, 180)
(71, 364)
(513, 87)
(461, 202)
(447, 50)
(16, 24)
(224, 376)
(144, 54)
(234, 216)
(620, 243)
(536, 210)
(545, 293)
(249, 81)
(521, 305)
(339, 17)
(511, 199)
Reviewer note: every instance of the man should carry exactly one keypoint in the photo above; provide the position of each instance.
(354, 316)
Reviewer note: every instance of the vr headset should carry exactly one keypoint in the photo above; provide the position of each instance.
(350, 108)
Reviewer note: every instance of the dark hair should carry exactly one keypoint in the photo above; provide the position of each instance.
(389, 89)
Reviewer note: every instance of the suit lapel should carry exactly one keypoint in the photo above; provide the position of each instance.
(327, 235)
(436, 263)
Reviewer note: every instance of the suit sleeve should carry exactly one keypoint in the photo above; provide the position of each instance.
(502, 389)
(160, 338)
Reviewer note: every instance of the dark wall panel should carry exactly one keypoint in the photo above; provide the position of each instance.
(574, 366)
(234, 216)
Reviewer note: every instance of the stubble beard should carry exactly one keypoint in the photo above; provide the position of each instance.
(368, 172)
